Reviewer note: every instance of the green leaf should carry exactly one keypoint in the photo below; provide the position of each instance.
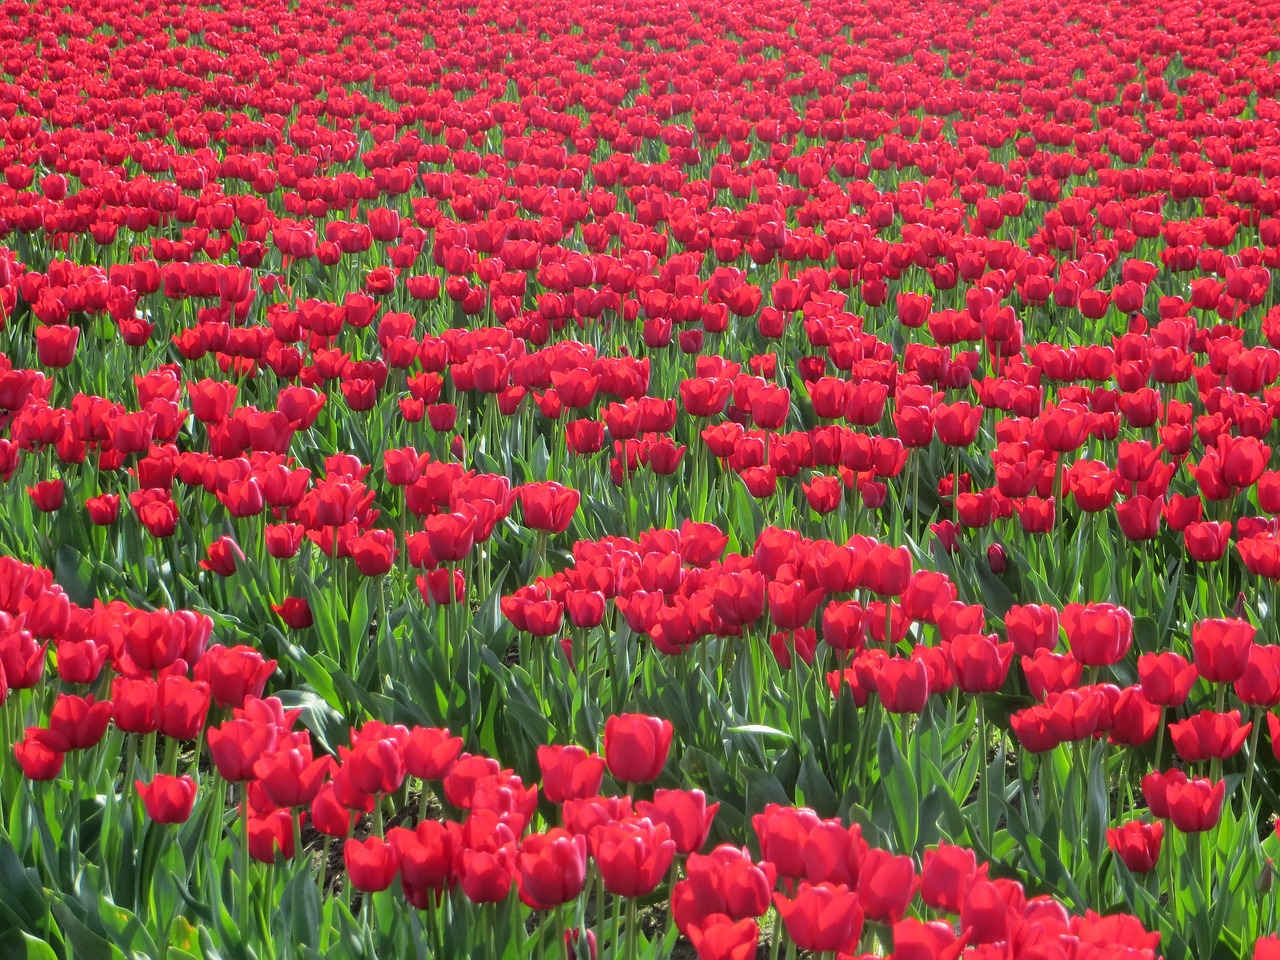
(762, 730)
(20, 945)
(817, 790)
(900, 789)
(763, 788)
(85, 944)
(17, 891)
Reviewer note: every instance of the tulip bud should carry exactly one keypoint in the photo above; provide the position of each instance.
(996, 559)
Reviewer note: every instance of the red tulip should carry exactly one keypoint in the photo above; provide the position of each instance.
(1137, 844)
(824, 918)
(168, 799)
(686, 815)
(1222, 648)
(551, 868)
(633, 856)
(569, 772)
(548, 506)
(371, 864)
(719, 937)
(40, 754)
(1195, 805)
(636, 746)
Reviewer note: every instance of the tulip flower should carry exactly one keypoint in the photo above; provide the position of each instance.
(168, 799)
(636, 746)
(551, 868)
(371, 864)
(822, 917)
(1137, 844)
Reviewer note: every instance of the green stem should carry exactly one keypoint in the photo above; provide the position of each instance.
(244, 858)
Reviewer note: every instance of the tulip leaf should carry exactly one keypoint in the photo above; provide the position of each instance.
(763, 788)
(86, 944)
(898, 783)
(20, 945)
(298, 919)
(761, 729)
(76, 574)
(18, 893)
(813, 783)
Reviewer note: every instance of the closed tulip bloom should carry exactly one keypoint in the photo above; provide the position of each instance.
(222, 556)
(1137, 844)
(451, 536)
(464, 776)
(1155, 790)
(834, 853)
(744, 885)
(486, 876)
(237, 745)
(211, 400)
(295, 612)
(430, 752)
(1195, 805)
(1099, 634)
(569, 772)
(1134, 718)
(824, 917)
(685, 813)
(1209, 735)
(1166, 678)
(1031, 627)
(903, 685)
(548, 506)
(373, 552)
(181, 707)
(1207, 541)
(927, 595)
(269, 834)
(39, 754)
(133, 703)
(81, 662)
(47, 495)
(1259, 685)
(56, 345)
(1139, 517)
(1222, 648)
(168, 799)
(719, 937)
(328, 815)
(291, 777)
(824, 493)
(945, 875)
(888, 570)
(886, 884)
(585, 608)
(79, 722)
(283, 539)
(783, 832)
(636, 746)
(428, 854)
(920, 940)
(551, 868)
(633, 856)
(986, 914)
(371, 864)
(792, 604)
(104, 509)
(957, 423)
(980, 663)
(1051, 672)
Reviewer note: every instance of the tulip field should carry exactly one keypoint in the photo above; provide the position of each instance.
(681, 479)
